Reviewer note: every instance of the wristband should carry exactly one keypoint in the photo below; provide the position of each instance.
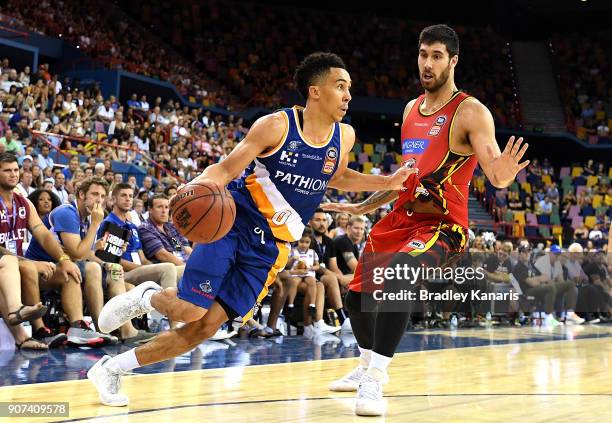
(64, 257)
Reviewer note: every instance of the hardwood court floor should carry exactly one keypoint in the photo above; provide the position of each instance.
(561, 380)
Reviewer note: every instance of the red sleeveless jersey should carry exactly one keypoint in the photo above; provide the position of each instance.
(14, 225)
(444, 175)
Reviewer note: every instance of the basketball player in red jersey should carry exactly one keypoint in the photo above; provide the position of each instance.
(445, 133)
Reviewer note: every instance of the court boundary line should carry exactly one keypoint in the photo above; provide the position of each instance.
(586, 338)
(249, 402)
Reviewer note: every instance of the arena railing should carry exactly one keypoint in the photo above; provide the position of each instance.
(98, 144)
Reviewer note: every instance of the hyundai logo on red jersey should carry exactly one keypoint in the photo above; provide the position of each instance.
(414, 146)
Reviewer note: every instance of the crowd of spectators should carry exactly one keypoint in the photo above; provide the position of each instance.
(583, 70)
(239, 55)
(571, 202)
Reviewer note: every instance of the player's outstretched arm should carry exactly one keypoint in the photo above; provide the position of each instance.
(265, 134)
(500, 167)
(369, 205)
(346, 179)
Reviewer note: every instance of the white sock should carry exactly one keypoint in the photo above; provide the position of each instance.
(289, 305)
(124, 362)
(378, 365)
(364, 358)
(146, 298)
(312, 305)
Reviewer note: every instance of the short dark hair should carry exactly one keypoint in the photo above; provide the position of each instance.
(441, 34)
(8, 158)
(312, 67)
(119, 187)
(156, 197)
(92, 180)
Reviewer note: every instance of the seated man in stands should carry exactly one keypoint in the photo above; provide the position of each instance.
(326, 250)
(136, 266)
(161, 241)
(75, 225)
(347, 250)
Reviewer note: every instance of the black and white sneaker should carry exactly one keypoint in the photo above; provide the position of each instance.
(52, 340)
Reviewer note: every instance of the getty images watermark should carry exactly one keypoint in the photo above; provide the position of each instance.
(406, 274)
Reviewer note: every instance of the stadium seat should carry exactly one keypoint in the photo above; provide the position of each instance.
(357, 148)
(577, 222)
(509, 216)
(573, 211)
(519, 217)
(363, 157)
(544, 231)
(557, 230)
(398, 159)
(565, 172)
(592, 181)
(555, 219)
(352, 157)
(546, 180)
(531, 231)
(544, 219)
(367, 167)
(532, 219)
(590, 221)
(380, 149)
(368, 149)
(394, 167)
(514, 187)
(526, 187)
(376, 159)
(597, 201)
(593, 139)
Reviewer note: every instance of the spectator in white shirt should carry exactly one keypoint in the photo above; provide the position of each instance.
(106, 112)
(59, 187)
(44, 160)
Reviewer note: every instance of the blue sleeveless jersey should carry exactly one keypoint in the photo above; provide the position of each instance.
(282, 189)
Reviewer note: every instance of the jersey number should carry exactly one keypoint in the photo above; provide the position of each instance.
(281, 217)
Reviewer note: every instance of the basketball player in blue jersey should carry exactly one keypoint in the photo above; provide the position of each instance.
(284, 165)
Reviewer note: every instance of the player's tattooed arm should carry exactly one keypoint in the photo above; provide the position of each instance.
(377, 200)
(370, 204)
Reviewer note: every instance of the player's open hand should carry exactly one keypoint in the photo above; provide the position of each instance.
(396, 181)
(508, 165)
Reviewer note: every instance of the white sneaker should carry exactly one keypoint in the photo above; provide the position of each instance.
(125, 307)
(321, 328)
(108, 383)
(551, 322)
(350, 382)
(309, 332)
(574, 318)
(346, 326)
(221, 334)
(370, 401)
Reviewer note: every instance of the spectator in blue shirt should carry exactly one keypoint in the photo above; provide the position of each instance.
(161, 241)
(136, 266)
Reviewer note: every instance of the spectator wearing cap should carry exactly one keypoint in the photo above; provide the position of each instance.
(48, 184)
(550, 268)
(26, 162)
(161, 241)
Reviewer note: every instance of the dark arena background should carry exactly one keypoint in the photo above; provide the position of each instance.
(143, 96)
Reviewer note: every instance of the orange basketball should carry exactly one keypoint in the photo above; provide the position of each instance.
(203, 211)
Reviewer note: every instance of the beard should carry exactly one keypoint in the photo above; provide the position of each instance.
(7, 187)
(436, 82)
